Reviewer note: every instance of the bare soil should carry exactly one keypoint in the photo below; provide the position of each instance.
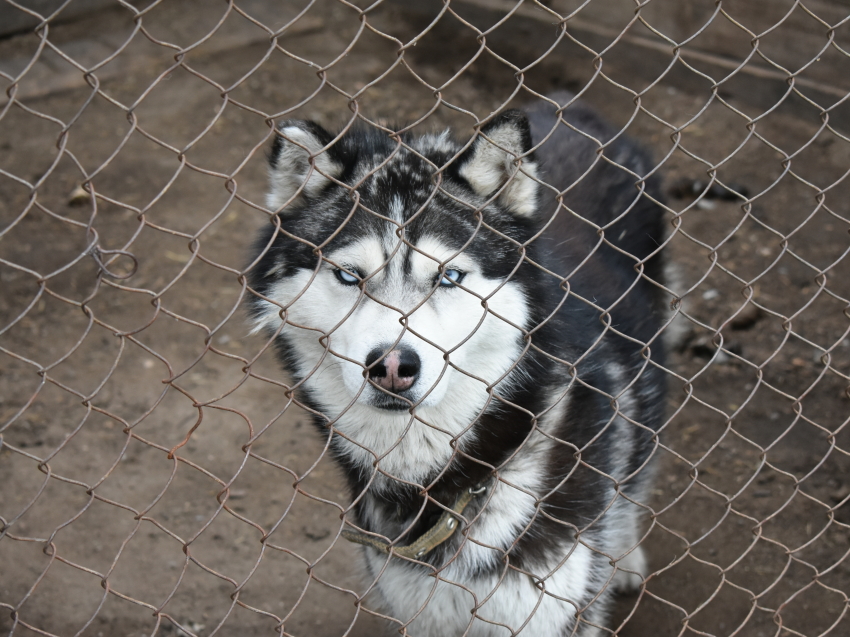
(150, 458)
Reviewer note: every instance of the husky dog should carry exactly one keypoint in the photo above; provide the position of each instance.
(476, 326)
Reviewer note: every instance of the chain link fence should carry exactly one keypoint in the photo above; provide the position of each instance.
(160, 474)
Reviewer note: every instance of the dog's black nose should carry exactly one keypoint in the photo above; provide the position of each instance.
(396, 370)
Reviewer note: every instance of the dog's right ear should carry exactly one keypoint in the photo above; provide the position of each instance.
(500, 160)
(298, 165)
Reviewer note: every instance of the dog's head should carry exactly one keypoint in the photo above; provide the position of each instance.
(393, 273)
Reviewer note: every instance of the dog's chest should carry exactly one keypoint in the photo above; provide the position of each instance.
(442, 602)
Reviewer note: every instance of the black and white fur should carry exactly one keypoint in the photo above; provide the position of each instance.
(533, 331)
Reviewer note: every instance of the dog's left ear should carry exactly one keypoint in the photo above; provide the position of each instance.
(492, 164)
(301, 164)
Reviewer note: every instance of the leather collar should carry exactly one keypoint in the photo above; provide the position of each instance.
(420, 547)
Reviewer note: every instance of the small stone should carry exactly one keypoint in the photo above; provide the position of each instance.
(193, 627)
(704, 347)
(746, 318)
(78, 197)
(839, 494)
(316, 534)
(687, 187)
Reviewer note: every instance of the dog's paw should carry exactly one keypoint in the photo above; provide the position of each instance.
(631, 570)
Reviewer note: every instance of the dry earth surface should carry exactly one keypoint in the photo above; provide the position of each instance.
(102, 377)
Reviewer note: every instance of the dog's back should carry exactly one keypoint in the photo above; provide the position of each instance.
(606, 223)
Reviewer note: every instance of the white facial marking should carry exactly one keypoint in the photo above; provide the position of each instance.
(396, 211)
(447, 327)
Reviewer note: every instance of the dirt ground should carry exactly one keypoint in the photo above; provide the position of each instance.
(102, 378)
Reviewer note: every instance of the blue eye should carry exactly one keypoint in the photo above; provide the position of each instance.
(346, 278)
(452, 277)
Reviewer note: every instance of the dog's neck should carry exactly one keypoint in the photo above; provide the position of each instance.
(394, 503)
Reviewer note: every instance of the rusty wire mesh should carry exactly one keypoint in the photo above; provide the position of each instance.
(158, 476)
